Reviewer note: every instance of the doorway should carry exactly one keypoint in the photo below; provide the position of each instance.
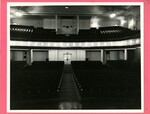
(67, 58)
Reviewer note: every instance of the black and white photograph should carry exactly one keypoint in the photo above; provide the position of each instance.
(69, 56)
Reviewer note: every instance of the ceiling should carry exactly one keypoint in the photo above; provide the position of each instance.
(103, 11)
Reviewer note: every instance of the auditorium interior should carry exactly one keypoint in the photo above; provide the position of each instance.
(76, 57)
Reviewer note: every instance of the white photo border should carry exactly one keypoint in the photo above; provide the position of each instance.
(141, 4)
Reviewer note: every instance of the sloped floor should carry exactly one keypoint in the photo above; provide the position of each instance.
(69, 96)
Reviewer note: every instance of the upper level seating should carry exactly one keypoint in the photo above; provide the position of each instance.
(106, 86)
(21, 31)
(38, 82)
(29, 33)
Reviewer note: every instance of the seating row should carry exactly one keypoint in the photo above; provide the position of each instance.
(98, 81)
(17, 65)
(126, 65)
(39, 81)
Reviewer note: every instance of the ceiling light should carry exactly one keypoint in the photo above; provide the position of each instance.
(18, 13)
(66, 7)
(112, 15)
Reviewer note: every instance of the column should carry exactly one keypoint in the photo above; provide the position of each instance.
(137, 54)
(103, 56)
(12, 55)
(56, 21)
(77, 24)
(30, 57)
(125, 54)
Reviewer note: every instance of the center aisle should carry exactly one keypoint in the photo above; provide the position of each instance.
(69, 95)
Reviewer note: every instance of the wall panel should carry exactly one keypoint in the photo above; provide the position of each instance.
(93, 56)
(28, 22)
(40, 55)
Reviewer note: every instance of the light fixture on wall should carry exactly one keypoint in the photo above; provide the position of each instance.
(14, 23)
(11, 16)
(112, 15)
(122, 22)
(94, 22)
(131, 23)
(18, 13)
